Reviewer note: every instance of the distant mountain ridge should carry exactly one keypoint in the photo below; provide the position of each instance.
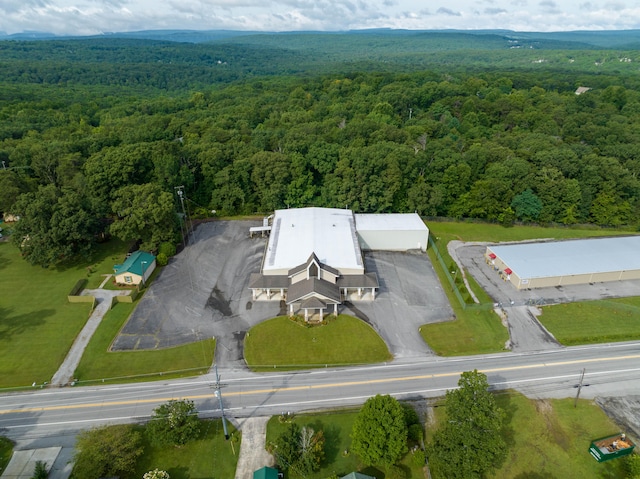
(592, 39)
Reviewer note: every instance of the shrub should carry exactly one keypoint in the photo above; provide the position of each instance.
(156, 474)
(162, 259)
(415, 432)
(419, 458)
(410, 415)
(40, 471)
(174, 423)
(169, 249)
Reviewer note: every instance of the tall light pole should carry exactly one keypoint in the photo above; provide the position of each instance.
(143, 269)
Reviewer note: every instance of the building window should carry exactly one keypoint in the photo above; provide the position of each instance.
(127, 279)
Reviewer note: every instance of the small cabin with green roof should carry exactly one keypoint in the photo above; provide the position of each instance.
(136, 269)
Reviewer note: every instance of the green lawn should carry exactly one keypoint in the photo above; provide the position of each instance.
(37, 323)
(593, 321)
(290, 345)
(474, 331)
(208, 457)
(99, 364)
(550, 438)
(336, 427)
(463, 231)
(6, 450)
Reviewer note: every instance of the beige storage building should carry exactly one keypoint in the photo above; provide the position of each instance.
(561, 263)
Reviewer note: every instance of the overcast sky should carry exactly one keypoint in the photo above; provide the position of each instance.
(85, 17)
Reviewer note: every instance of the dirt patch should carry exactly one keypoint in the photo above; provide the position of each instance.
(559, 436)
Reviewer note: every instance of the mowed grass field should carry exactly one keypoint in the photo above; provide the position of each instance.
(480, 331)
(99, 364)
(37, 323)
(209, 456)
(287, 344)
(593, 321)
(550, 438)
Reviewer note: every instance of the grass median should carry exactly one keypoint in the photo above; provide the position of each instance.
(281, 343)
(99, 364)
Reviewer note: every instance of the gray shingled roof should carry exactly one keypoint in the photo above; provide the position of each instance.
(367, 280)
(312, 258)
(313, 303)
(313, 286)
(257, 280)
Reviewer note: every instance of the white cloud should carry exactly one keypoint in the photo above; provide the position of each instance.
(94, 16)
(447, 11)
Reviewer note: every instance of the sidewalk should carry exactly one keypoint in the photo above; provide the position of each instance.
(64, 375)
(23, 463)
(253, 454)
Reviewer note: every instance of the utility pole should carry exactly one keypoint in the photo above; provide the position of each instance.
(579, 386)
(180, 191)
(219, 396)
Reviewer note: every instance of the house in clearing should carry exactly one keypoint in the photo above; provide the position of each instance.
(314, 257)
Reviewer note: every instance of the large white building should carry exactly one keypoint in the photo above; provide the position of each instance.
(314, 261)
(561, 263)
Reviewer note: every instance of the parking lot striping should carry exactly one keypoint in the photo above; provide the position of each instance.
(313, 386)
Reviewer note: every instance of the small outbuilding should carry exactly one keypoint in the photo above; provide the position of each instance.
(265, 473)
(561, 263)
(136, 269)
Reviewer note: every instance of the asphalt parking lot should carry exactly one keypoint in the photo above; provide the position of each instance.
(203, 292)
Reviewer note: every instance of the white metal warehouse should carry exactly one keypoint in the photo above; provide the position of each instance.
(391, 232)
(558, 263)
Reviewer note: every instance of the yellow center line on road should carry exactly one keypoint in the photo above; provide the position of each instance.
(310, 387)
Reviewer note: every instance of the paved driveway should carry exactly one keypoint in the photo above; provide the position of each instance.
(203, 292)
(410, 295)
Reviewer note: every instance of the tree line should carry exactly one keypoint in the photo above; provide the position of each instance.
(501, 146)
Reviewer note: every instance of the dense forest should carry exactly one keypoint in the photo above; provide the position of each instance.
(96, 134)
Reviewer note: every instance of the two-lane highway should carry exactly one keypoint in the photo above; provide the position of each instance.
(612, 369)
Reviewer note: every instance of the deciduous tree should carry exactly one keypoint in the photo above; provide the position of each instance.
(107, 451)
(55, 226)
(144, 212)
(379, 435)
(174, 423)
(469, 444)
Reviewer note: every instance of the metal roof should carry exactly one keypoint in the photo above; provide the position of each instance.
(389, 222)
(565, 258)
(330, 233)
(136, 263)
